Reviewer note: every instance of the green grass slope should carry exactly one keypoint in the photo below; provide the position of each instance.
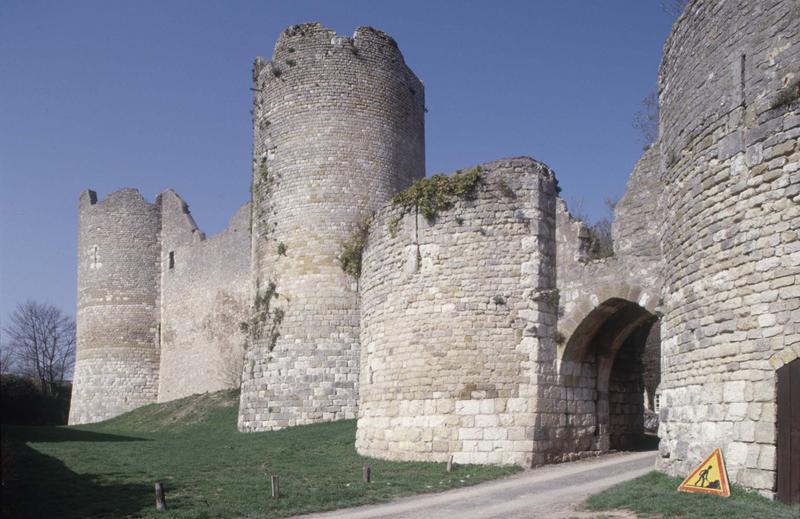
(655, 495)
(208, 468)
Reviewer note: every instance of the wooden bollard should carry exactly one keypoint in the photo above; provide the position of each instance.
(367, 473)
(276, 491)
(450, 464)
(161, 501)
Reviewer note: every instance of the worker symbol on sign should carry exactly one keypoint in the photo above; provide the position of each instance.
(709, 477)
(702, 482)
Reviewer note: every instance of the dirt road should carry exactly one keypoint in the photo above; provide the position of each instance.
(552, 491)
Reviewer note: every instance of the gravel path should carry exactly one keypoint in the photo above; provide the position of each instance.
(552, 491)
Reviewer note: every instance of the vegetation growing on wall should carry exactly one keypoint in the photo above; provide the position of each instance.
(353, 248)
(265, 321)
(394, 225)
(438, 193)
(257, 66)
(262, 185)
(601, 243)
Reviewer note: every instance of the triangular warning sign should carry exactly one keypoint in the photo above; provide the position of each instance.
(709, 477)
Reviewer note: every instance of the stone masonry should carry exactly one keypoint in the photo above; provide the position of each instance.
(730, 166)
(159, 305)
(453, 315)
(338, 129)
(116, 368)
(491, 332)
(205, 295)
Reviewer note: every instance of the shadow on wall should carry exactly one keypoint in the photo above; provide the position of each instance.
(602, 376)
(66, 489)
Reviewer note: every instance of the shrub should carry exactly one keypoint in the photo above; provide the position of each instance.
(438, 193)
(23, 403)
(353, 248)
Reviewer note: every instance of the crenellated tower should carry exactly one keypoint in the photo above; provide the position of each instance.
(338, 125)
(116, 368)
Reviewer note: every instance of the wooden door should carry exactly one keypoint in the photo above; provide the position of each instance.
(788, 450)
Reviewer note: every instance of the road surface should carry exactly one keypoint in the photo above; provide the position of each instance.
(552, 491)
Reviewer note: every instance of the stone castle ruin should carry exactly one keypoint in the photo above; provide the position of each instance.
(466, 315)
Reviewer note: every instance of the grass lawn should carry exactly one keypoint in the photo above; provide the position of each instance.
(207, 467)
(654, 495)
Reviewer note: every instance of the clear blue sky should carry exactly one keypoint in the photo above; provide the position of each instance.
(155, 94)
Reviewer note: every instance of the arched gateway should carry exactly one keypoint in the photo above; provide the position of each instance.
(602, 377)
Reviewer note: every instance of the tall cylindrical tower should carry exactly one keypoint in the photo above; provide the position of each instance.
(338, 129)
(116, 369)
(729, 124)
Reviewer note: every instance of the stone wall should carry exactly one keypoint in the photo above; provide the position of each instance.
(651, 364)
(116, 368)
(456, 323)
(205, 295)
(606, 309)
(626, 394)
(729, 151)
(338, 129)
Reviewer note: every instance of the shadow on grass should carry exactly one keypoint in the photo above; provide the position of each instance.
(45, 434)
(37, 485)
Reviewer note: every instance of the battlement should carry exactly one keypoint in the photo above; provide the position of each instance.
(87, 198)
(127, 196)
(177, 224)
(297, 38)
(307, 44)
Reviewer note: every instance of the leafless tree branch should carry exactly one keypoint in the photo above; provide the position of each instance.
(646, 119)
(41, 341)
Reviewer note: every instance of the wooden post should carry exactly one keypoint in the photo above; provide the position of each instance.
(367, 474)
(276, 491)
(161, 501)
(450, 464)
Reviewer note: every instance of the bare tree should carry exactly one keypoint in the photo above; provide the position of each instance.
(6, 355)
(42, 342)
(601, 242)
(6, 360)
(646, 119)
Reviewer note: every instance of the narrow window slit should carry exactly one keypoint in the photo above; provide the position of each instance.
(741, 80)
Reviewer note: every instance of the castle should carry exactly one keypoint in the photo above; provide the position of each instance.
(466, 316)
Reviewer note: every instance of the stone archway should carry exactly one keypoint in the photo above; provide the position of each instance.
(601, 377)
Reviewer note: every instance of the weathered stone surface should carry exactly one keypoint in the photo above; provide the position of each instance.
(338, 127)
(159, 305)
(730, 170)
(116, 368)
(449, 347)
(205, 295)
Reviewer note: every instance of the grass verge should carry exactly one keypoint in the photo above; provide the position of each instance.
(655, 495)
(208, 468)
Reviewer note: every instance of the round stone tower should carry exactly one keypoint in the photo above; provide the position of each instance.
(457, 323)
(116, 368)
(729, 124)
(338, 125)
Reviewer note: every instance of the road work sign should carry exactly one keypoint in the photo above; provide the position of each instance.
(709, 477)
